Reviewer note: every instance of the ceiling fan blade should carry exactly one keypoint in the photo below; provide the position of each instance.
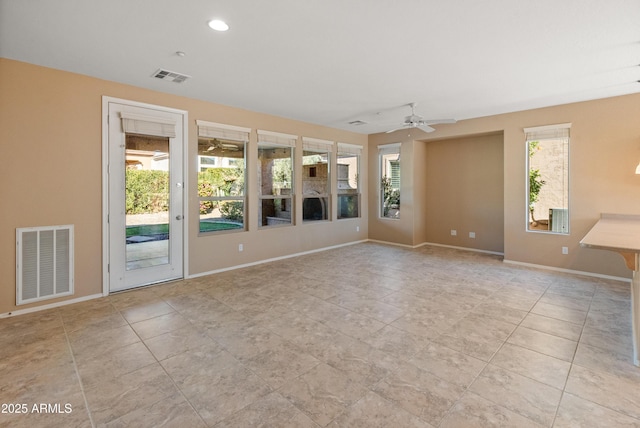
(426, 128)
(416, 121)
(394, 130)
(438, 121)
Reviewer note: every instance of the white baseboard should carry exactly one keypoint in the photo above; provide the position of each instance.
(437, 245)
(476, 250)
(395, 244)
(531, 265)
(49, 306)
(571, 271)
(96, 296)
(273, 259)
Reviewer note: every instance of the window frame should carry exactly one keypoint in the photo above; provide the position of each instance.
(313, 147)
(349, 151)
(549, 133)
(234, 134)
(383, 151)
(283, 197)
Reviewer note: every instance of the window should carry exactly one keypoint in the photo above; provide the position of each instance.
(348, 178)
(389, 156)
(205, 162)
(548, 178)
(275, 178)
(221, 176)
(316, 179)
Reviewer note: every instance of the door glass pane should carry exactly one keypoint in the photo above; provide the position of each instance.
(147, 201)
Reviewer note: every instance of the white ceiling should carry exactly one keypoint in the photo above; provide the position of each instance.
(333, 61)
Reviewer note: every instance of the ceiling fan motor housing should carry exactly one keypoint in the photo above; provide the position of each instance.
(413, 119)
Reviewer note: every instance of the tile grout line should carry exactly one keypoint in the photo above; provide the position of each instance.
(489, 362)
(160, 364)
(273, 390)
(564, 391)
(448, 411)
(77, 371)
(572, 363)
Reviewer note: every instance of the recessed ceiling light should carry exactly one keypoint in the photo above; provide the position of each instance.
(218, 25)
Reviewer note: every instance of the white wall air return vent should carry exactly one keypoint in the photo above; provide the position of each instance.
(44, 263)
(170, 76)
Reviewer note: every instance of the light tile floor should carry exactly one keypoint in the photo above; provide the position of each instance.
(361, 336)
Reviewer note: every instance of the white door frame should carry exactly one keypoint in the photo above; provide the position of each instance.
(105, 184)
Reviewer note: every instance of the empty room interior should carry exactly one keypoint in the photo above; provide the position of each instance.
(320, 214)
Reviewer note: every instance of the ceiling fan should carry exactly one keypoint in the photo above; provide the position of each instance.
(216, 144)
(417, 121)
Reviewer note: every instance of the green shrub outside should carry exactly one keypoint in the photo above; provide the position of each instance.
(391, 196)
(232, 210)
(147, 191)
(219, 182)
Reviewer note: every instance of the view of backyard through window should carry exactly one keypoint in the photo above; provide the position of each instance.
(348, 184)
(315, 184)
(147, 197)
(390, 181)
(548, 179)
(275, 183)
(221, 184)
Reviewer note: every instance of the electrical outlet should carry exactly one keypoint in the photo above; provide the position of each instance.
(454, 232)
(240, 247)
(565, 250)
(357, 228)
(472, 235)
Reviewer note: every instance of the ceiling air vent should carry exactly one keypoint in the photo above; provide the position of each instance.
(170, 76)
(357, 122)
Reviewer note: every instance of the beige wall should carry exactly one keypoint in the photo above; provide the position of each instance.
(50, 155)
(603, 153)
(401, 230)
(421, 204)
(464, 181)
(440, 181)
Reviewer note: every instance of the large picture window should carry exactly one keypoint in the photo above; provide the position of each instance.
(221, 176)
(316, 179)
(548, 178)
(389, 162)
(348, 178)
(275, 178)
